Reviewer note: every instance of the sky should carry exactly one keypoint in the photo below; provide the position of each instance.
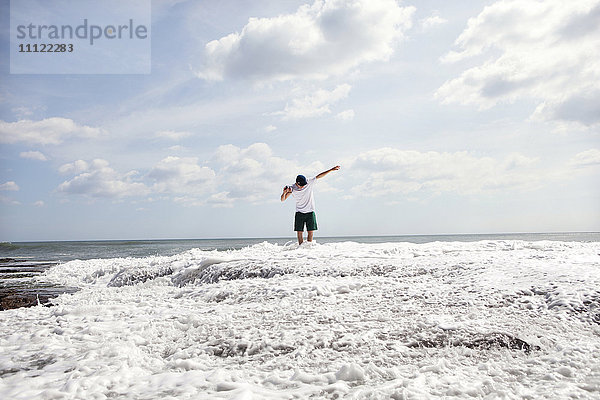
(445, 117)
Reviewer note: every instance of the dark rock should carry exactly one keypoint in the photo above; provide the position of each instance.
(12, 299)
(498, 340)
(476, 341)
(18, 288)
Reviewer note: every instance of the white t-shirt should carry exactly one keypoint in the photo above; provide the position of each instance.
(305, 201)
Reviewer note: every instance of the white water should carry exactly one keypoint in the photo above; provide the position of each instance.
(489, 319)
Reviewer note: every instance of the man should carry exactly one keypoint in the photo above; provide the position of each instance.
(302, 191)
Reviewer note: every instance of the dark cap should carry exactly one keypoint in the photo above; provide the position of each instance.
(301, 180)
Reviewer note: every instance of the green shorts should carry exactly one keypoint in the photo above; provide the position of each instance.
(310, 219)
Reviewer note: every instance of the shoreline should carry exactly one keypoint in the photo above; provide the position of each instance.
(21, 263)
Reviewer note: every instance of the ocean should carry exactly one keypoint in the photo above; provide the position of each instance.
(61, 251)
(513, 316)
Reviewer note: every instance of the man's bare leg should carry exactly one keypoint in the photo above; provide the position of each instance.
(300, 236)
(310, 236)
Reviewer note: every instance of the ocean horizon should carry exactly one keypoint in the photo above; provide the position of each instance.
(67, 250)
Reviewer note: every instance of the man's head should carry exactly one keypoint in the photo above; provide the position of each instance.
(300, 180)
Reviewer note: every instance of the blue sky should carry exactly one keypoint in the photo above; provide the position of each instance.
(446, 117)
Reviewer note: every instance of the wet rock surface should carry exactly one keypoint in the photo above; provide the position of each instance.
(477, 341)
(19, 288)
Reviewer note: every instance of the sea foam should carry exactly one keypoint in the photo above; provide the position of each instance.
(510, 319)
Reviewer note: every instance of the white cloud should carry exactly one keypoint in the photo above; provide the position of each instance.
(221, 200)
(98, 179)
(270, 128)
(586, 158)
(346, 115)
(432, 21)
(47, 131)
(388, 170)
(173, 135)
(33, 155)
(181, 175)
(39, 203)
(76, 167)
(232, 174)
(9, 186)
(252, 174)
(29, 111)
(8, 200)
(315, 104)
(546, 51)
(22, 112)
(326, 38)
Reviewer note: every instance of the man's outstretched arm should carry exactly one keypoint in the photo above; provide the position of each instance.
(322, 174)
